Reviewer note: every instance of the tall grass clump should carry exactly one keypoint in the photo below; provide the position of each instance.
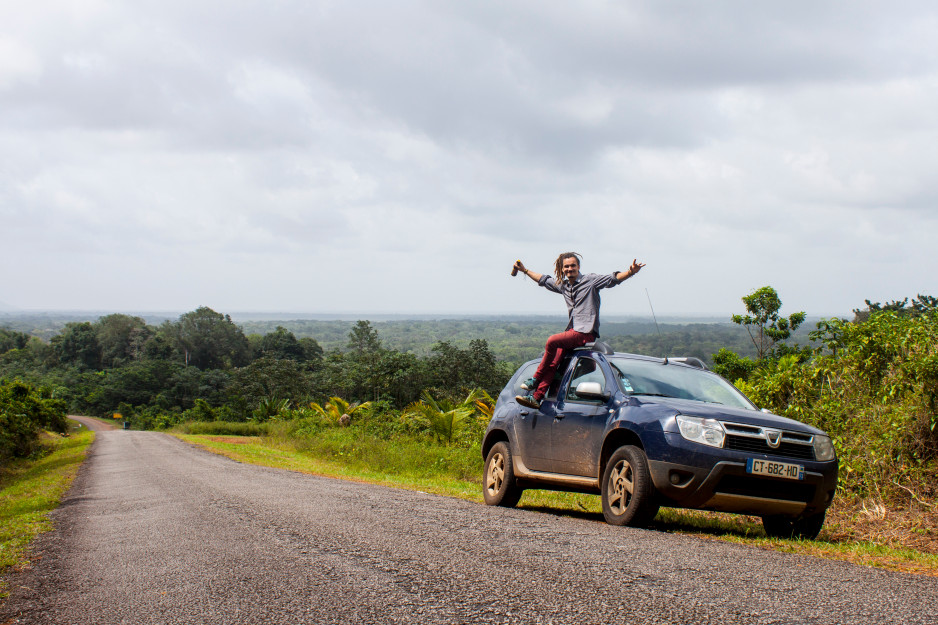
(224, 428)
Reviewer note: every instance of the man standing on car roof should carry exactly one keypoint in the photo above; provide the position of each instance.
(581, 292)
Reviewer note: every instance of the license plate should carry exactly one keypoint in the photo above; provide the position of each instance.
(775, 469)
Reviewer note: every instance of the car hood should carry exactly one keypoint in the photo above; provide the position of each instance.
(722, 413)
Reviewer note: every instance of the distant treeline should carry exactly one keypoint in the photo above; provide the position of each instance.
(512, 339)
(519, 339)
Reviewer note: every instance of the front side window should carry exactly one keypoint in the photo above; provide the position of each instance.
(587, 370)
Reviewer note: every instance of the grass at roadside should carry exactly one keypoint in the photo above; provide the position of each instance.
(456, 472)
(351, 464)
(30, 489)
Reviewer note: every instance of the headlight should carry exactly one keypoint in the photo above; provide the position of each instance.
(704, 431)
(823, 448)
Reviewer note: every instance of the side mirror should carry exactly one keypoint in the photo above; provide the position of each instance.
(590, 390)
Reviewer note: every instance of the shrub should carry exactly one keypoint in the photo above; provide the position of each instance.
(874, 390)
(24, 413)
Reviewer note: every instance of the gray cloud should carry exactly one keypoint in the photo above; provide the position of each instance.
(171, 154)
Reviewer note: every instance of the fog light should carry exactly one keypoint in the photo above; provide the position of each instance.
(823, 448)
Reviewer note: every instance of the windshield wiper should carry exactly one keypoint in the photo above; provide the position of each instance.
(654, 395)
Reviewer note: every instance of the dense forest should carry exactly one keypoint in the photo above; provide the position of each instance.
(204, 362)
(158, 373)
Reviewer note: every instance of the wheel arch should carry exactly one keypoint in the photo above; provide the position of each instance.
(614, 440)
(491, 439)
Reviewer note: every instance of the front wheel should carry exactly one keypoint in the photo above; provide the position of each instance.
(783, 527)
(627, 490)
(499, 487)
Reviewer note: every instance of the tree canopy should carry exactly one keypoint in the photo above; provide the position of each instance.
(210, 340)
(765, 326)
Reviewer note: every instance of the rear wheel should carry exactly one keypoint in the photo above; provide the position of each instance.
(627, 491)
(785, 527)
(499, 487)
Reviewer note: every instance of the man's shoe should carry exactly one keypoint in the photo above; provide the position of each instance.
(528, 400)
(529, 385)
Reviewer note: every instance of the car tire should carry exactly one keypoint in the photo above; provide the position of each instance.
(499, 486)
(806, 528)
(628, 493)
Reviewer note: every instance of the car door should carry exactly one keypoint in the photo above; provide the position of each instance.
(532, 428)
(579, 423)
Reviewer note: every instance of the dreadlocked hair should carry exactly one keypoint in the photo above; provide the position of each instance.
(558, 265)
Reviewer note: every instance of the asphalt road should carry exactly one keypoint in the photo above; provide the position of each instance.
(155, 531)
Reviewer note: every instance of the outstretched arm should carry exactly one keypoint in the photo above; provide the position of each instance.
(531, 274)
(634, 269)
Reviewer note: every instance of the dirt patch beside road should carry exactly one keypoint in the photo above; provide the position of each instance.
(94, 424)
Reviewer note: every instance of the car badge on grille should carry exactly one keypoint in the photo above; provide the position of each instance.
(773, 438)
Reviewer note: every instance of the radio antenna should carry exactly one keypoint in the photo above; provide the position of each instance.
(653, 312)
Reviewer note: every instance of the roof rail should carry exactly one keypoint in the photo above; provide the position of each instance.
(597, 346)
(693, 361)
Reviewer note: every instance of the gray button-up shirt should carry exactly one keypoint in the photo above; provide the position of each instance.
(582, 298)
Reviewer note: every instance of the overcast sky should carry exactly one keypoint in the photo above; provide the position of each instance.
(397, 157)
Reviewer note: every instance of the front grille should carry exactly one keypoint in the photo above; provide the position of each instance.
(755, 440)
(788, 490)
(759, 446)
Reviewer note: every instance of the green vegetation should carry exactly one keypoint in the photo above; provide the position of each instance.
(872, 384)
(763, 323)
(202, 367)
(24, 414)
(875, 393)
(223, 428)
(30, 489)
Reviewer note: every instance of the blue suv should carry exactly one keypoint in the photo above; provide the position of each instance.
(646, 432)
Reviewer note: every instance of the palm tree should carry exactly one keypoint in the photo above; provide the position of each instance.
(444, 418)
(270, 407)
(339, 411)
(484, 404)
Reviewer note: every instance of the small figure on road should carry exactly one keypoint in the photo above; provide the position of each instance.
(581, 292)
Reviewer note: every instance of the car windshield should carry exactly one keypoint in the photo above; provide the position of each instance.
(642, 377)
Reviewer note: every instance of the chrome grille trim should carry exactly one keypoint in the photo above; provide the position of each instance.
(756, 431)
(753, 439)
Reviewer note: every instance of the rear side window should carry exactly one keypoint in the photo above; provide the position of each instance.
(528, 372)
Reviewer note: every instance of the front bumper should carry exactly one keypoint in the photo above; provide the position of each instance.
(716, 479)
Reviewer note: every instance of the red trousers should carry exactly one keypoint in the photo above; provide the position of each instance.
(553, 354)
